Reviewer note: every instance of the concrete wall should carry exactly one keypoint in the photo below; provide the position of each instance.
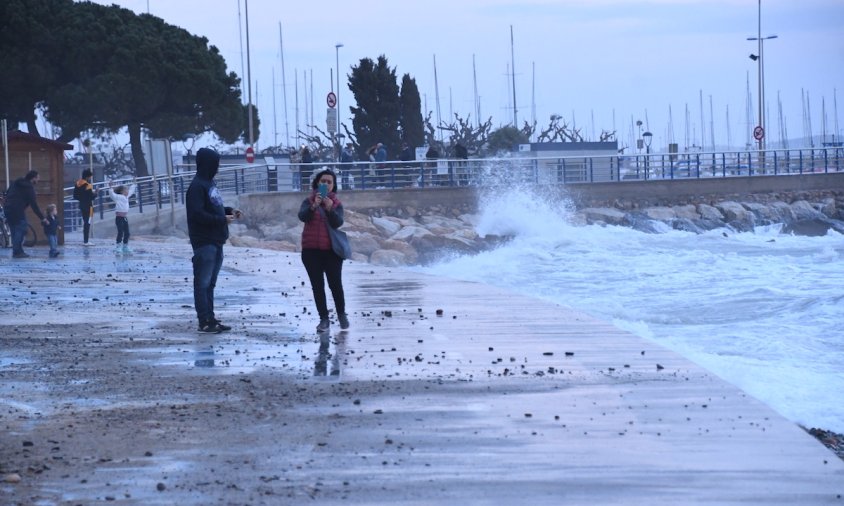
(283, 206)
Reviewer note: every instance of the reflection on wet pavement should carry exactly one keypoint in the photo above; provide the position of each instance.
(324, 354)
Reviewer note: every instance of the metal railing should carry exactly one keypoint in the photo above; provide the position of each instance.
(155, 193)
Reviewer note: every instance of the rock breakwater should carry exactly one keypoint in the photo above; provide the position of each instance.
(419, 235)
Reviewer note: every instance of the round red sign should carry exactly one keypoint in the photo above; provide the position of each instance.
(250, 154)
(758, 133)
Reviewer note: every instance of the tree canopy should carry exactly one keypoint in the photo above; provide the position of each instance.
(101, 68)
(377, 116)
(410, 117)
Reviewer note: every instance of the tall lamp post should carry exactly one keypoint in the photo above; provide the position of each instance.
(647, 137)
(760, 60)
(337, 68)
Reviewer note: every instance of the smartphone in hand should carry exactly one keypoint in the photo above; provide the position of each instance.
(323, 190)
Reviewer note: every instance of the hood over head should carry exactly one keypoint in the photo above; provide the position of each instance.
(207, 163)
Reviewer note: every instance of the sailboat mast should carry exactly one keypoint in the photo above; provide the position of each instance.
(533, 93)
(275, 116)
(477, 100)
(296, 102)
(783, 138)
(711, 123)
(437, 99)
(513, 67)
(729, 133)
(702, 124)
(283, 88)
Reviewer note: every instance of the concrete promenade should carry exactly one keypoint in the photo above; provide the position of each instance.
(442, 392)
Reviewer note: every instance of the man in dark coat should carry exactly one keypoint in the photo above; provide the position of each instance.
(208, 229)
(19, 196)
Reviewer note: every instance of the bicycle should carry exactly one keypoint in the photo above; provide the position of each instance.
(5, 231)
(29, 239)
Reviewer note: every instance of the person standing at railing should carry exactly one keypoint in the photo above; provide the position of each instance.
(120, 197)
(347, 158)
(19, 196)
(84, 193)
(380, 164)
(208, 229)
(306, 159)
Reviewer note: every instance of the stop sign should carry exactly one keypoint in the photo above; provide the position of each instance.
(250, 154)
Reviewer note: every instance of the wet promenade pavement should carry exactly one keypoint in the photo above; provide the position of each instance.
(442, 392)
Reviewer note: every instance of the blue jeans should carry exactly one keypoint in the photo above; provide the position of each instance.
(122, 224)
(19, 229)
(207, 261)
(54, 243)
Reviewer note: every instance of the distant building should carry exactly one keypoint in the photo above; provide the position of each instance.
(573, 162)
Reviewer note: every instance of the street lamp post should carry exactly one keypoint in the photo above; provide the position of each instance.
(760, 60)
(647, 137)
(337, 67)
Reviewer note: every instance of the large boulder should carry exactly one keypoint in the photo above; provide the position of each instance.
(363, 243)
(386, 226)
(409, 233)
(737, 217)
(709, 213)
(803, 210)
(389, 258)
(813, 227)
(660, 213)
(606, 215)
(687, 212)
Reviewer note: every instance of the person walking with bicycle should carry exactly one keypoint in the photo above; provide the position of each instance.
(84, 193)
(19, 196)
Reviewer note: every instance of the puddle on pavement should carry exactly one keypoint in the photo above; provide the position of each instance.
(7, 361)
(216, 355)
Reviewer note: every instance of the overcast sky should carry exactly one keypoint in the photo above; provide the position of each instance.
(600, 64)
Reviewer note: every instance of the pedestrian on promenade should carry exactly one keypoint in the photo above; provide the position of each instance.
(19, 196)
(51, 230)
(84, 193)
(306, 159)
(208, 229)
(120, 197)
(320, 210)
(347, 158)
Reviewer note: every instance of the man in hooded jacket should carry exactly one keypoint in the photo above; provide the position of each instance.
(208, 229)
(19, 196)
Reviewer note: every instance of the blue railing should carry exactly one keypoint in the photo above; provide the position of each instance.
(158, 192)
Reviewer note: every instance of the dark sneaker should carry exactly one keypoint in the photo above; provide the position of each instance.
(21, 255)
(324, 325)
(211, 328)
(223, 328)
(344, 320)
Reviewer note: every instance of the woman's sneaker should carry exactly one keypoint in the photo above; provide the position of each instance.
(344, 320)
